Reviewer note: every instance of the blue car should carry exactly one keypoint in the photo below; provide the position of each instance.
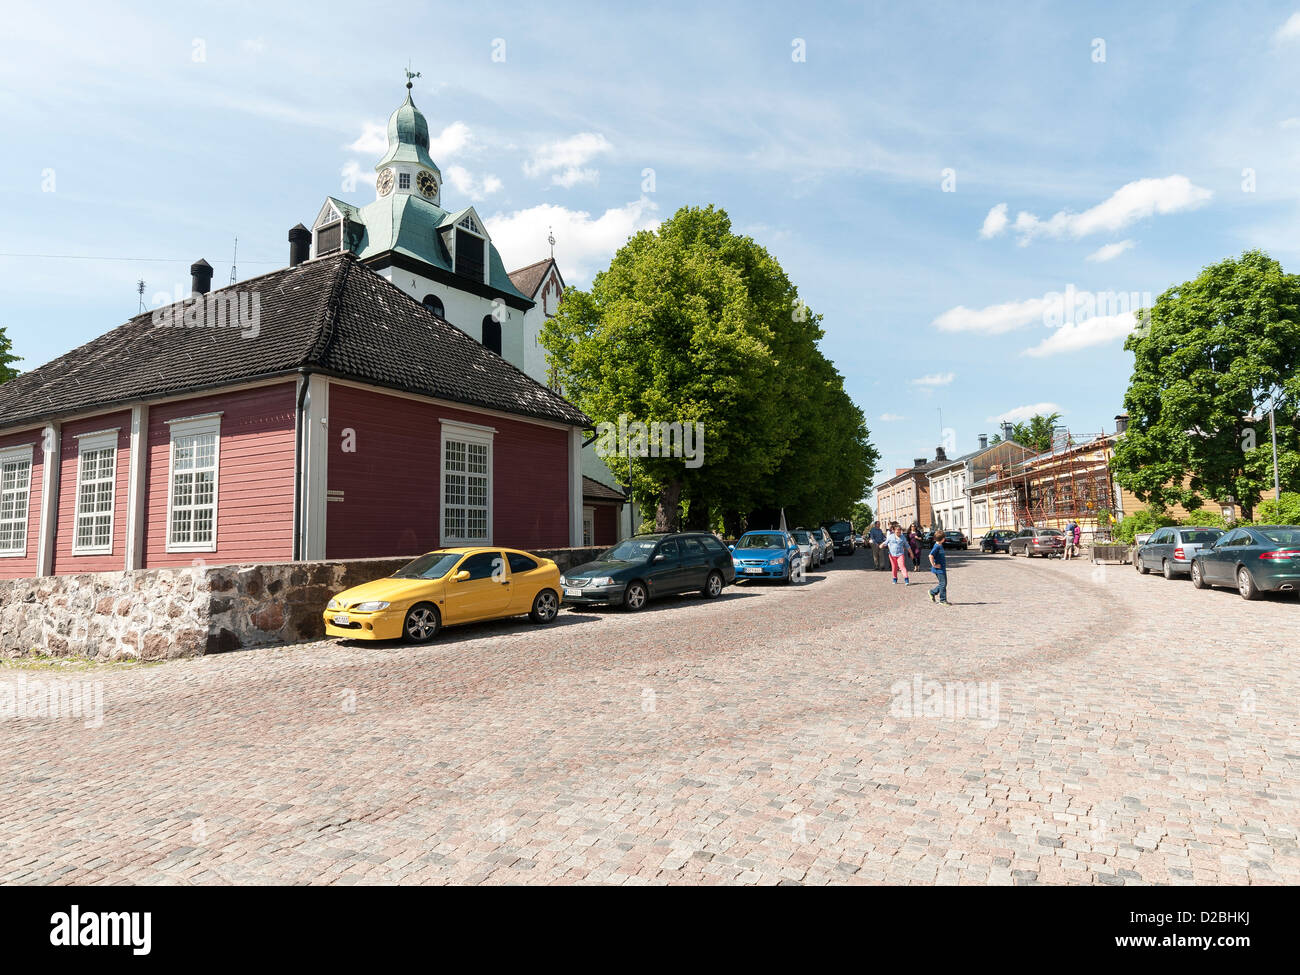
(767, 555)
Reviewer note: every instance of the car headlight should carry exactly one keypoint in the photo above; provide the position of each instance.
(373, 606)
(334, 604)
(602, 581)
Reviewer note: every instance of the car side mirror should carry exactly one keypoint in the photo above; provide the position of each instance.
(462, 575)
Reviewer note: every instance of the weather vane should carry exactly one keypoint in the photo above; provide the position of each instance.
(410, 75)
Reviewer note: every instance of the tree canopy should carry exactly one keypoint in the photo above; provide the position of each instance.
(696, 324)
(1216, 352)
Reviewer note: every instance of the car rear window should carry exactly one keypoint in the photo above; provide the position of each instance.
(1283, 536)
(1206, 537)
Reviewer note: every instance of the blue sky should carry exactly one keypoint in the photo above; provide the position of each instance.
(1122, 166)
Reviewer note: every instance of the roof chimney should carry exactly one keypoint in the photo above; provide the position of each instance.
(940, 454)
(200, 277)
(984, 441)
(1121, 423)
(299, 245)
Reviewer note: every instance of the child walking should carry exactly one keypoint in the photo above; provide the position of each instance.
(939, 566)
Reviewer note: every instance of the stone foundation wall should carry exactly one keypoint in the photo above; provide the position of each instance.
(153, 614)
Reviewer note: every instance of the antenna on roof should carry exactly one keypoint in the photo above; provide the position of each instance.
(139, 290)
(233, 258)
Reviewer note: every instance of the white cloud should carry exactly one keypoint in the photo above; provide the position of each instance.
(935, 379)
(995, 222)
(451, 141)
(467, 186)
(1109, 252)
(995, 319)
(566, 159)
(1128, 204)
(1019, 413)
(891, 417)
(1290, 31)
(1072, 336)
(583, 243)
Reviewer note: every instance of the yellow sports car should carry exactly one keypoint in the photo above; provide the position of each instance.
(442, 588)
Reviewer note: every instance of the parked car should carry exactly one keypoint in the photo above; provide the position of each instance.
(443, 588)
(640, 568)
(1261, 558)
(841, 533)
(1171, 550)
(810, 547)
(828, 546)
(996, 541)
(767, 555)
(955, 539)
(1037, 541)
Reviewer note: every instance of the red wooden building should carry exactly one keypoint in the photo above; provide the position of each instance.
(318, 411)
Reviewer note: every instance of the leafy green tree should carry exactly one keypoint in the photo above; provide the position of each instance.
(694, 323)
(1214, 353)
(8, 369)
(1036, 433)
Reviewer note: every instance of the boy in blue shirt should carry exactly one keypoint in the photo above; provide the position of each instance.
(939, 566)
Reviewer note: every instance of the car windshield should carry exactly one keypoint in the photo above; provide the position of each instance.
(1283, 536)
(802, 538)
(434, 565)
(631, 550)
(1206, 537)
(771, 540)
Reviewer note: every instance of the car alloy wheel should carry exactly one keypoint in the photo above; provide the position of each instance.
(713, 586)
(1245, 584)
(634, 596)
(1167, 569)
(1198, 580)
(545, 606)
(422, 623)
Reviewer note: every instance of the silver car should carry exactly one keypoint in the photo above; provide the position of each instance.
(1171, 550)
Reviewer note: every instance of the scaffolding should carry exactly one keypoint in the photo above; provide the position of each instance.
(1071, 482)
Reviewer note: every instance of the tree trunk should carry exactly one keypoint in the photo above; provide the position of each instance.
(668, 512)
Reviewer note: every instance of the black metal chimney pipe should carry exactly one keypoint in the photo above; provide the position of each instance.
(299, 245)
(200, 277)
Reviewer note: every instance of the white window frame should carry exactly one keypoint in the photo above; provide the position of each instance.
(86, 443)
(469, 433)
(189, 426)
(23, 453)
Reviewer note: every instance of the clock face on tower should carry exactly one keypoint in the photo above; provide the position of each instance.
(426, 183)
(385, 182)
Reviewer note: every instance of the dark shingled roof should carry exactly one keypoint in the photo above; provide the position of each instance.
(592, 488)
(529, 279)
(332, 315)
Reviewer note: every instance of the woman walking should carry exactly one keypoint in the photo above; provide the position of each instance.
(898, 549)
(914, 543)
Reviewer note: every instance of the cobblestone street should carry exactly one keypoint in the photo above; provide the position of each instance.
(1139, 732)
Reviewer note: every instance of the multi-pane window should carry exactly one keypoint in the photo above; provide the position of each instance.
(192, 509)
(96, 482)
(466, 484)
(15, 490)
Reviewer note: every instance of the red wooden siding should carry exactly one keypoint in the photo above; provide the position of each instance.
(604, 524)
(254, 477)
(19, 568)
(64, 561)
(391, 482)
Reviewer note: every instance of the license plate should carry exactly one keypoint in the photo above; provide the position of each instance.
(573, 592)
(342, 619)
(754, 572)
